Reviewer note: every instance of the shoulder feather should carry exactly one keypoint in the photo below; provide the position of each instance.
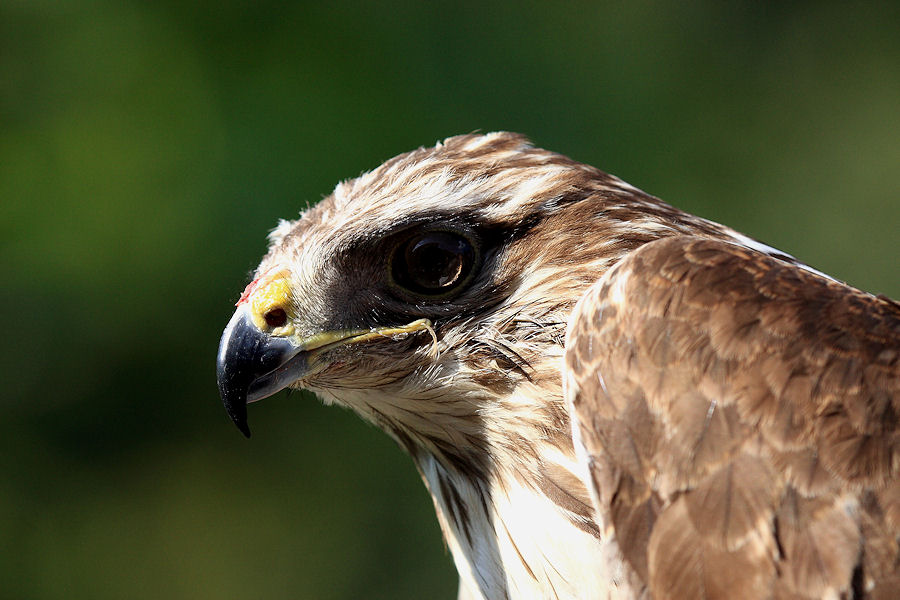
(739, 419)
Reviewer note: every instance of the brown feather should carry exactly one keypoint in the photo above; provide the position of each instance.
(733, 502)
(684, 565)
(774, 394)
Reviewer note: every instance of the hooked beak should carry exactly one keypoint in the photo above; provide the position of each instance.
(253, 365)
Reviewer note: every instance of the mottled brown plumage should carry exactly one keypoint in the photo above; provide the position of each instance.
(740, 420)
(617, 399)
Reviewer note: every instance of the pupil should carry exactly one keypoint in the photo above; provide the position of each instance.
(434, 265)
(436, 261)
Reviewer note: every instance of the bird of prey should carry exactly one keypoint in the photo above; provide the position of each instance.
(606, 397)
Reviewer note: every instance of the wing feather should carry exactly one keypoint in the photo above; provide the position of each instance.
(739, 420)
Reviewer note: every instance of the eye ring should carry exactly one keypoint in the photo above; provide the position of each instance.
(433, 263)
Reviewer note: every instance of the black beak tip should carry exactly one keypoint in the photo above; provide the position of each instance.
(241, 424)
(233, 382)
(236, 406)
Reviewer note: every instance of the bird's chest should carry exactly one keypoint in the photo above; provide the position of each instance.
(511, 541)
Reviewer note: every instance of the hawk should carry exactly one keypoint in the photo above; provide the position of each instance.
(606, 397)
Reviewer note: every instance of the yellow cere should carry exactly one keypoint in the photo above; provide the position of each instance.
(270, 295)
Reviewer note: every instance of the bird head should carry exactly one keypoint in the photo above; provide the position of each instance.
(428, 292)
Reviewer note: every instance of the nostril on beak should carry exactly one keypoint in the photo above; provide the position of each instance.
(275, 317)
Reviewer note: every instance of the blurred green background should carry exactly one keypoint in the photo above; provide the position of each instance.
(146, 148)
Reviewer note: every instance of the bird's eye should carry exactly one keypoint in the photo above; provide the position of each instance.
(433, 263)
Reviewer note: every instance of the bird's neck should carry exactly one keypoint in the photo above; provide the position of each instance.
(522, 533)
(514, 510)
